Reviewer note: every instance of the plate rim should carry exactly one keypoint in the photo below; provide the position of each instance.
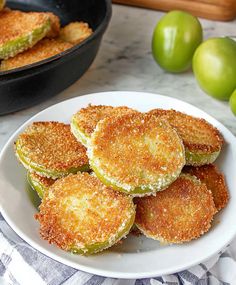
(89, 269)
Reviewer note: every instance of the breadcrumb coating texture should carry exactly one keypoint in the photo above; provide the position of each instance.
(136, 150)
(79, 211)
(75, 32)
(52, 146)
(44, 181)
(55, 25)
(42, 50)
(214, 180)
(15, 23)
(87, 118)
(197, 134)
(180, 213)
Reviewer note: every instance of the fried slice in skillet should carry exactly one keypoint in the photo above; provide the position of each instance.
(55, 25)
(80, 214)
(51, 150)
(214, 180)
(20, 31)
(202, 141)
(75, 32)
(39, 183)
(182, 212)
(42, 50)
(84, 122)
(138, 154)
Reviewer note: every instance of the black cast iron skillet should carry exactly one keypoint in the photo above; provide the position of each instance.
(29, 85)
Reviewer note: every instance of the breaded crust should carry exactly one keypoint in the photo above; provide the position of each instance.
(75, 32)
(138, 154)
(51, 150)
(84, 122)
(42, 50)
(39, 183)
(20, 31)
(214, 180)
(55, 25)
(81, 215)
(180, 213)
(202, 141)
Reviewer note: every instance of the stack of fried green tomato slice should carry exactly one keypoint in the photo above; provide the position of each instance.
(132, 155)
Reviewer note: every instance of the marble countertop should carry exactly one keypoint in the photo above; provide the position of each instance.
(125, 62)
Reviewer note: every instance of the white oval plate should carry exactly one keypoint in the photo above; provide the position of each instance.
(137, 257)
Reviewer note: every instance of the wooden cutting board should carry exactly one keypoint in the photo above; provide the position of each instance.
(222, 10)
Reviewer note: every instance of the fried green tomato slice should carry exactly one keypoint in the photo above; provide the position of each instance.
(75, 32)
(181, 213)
(42, 50)
(214, 180)
(2, 4)
(20, 31)
(138, 154)
(51, 150)
(202, 141)
(38, 183)
(81, 215)
(84, 122)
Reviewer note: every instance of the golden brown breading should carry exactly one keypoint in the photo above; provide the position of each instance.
(20, 31)
(198, 135)
(39, 183)
(180, 213)
(55, 25)
(42, 50)
(136, 153)
(50, 149)
(15, 23)
(45, 181)
(85, 120)
(214, 180)
(80, 214)
(75, 32)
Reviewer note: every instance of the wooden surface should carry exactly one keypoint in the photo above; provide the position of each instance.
(223, 10)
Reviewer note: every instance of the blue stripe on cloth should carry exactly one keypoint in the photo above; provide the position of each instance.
(1, 217)
(203, 266)
(188, 276)
(203, 280)
(225, 254)
(13, 280)
(142, 281)
(51, 271)
(95, 280)
(158, 279)
(6, 259)
(2, 268)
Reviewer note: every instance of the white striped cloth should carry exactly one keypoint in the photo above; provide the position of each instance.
(20, 264)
